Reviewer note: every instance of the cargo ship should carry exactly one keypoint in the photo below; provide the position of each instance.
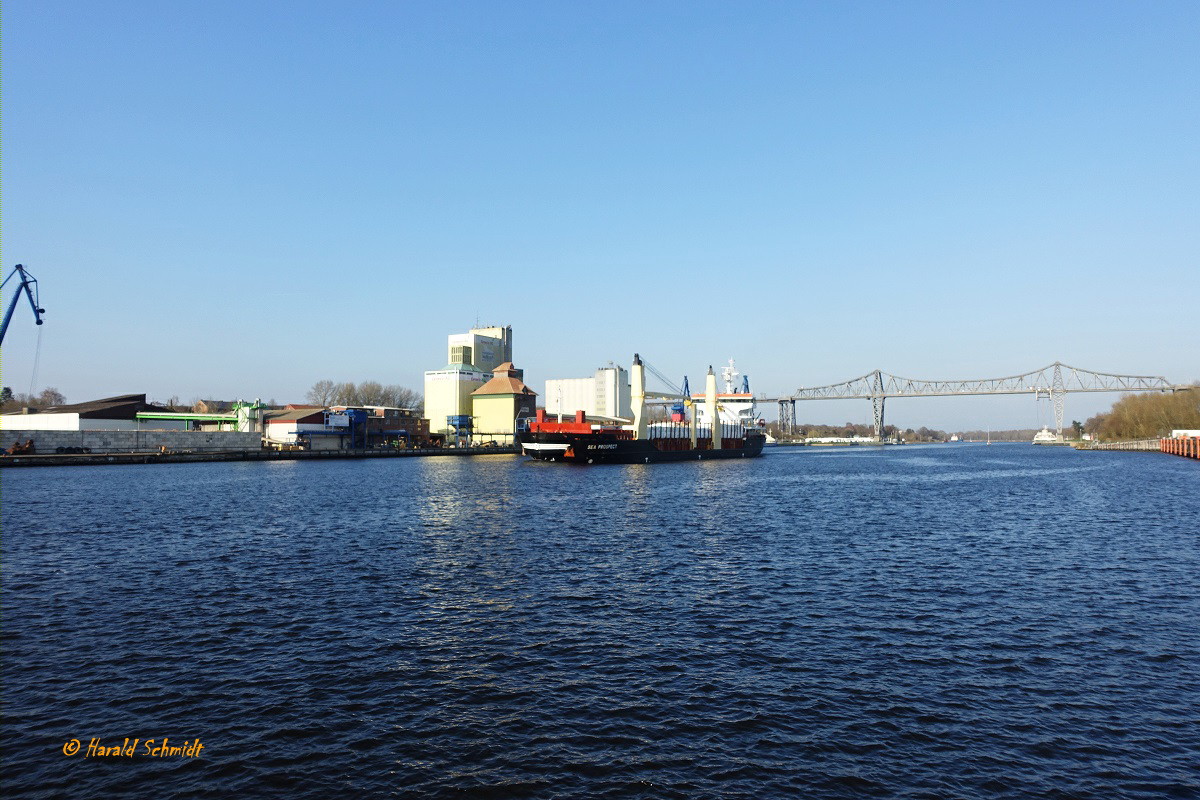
(605, 441)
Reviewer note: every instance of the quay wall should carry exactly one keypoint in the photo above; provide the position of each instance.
(1139, 445)
(259, 454)
(48, 441)
(1186, 446)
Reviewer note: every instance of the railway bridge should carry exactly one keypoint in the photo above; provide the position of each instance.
(1053, 382)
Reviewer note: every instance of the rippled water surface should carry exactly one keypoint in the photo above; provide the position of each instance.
(947, 621)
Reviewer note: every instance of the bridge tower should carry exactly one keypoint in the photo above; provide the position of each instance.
(877, 398)
(1057, 391)
(787, 416)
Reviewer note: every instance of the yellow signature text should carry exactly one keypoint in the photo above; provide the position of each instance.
(150, 748)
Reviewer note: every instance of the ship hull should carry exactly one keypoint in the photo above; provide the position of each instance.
(603, 448)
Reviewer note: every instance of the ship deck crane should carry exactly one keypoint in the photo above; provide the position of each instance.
(681, 397)
(675, 393)
(28, 286)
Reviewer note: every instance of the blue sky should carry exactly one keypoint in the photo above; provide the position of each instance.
(239, 199)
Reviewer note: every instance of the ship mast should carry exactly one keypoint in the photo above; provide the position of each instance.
(729, 375)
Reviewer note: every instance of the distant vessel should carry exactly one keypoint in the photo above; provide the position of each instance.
(582, 441)
(1044, 436)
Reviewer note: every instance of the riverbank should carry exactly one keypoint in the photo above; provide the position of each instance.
(1133, 446)
(1186, 446)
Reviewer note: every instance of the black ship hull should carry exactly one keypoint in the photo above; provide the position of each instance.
(609, 448)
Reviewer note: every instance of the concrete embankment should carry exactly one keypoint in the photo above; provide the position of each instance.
(97, 459)
(132, 441)
(1136, 445)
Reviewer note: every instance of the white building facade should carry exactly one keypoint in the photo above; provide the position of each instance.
(605, 394)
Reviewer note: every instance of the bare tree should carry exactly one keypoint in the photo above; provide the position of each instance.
(370, 393)
(321, 393)
(403, 397)
(367, 393)
(345, 394)
(47, 398)
(51, 397)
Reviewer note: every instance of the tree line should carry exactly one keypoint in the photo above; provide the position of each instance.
(46, 398)
(1147, 416)
(368, 393)
(852, 429)
(1012, 435)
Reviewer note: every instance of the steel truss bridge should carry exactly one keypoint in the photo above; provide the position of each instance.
(1053, 382)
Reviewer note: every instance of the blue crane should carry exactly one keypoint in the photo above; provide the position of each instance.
(29, 287)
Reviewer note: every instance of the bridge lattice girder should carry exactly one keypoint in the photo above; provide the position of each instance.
(1054, 381)
(1058, 377)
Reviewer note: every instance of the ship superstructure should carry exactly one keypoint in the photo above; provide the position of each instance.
(735, 405)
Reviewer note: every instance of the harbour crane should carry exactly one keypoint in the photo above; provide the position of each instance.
(28, 285)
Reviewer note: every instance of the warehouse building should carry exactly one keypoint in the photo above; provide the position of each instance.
(118, 413)
(497, 404)
(605, 394)
(345, 428)
(128, 423)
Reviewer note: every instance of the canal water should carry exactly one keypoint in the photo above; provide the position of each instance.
(918, 622)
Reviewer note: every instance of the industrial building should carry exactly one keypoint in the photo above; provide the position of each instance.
(293, 425)
(483, 348)
(388, 426)
(131, 412)
(345, 427)
(605, 394)
(471, 359)
(128, 423)
(497, 404)
(120, 413)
